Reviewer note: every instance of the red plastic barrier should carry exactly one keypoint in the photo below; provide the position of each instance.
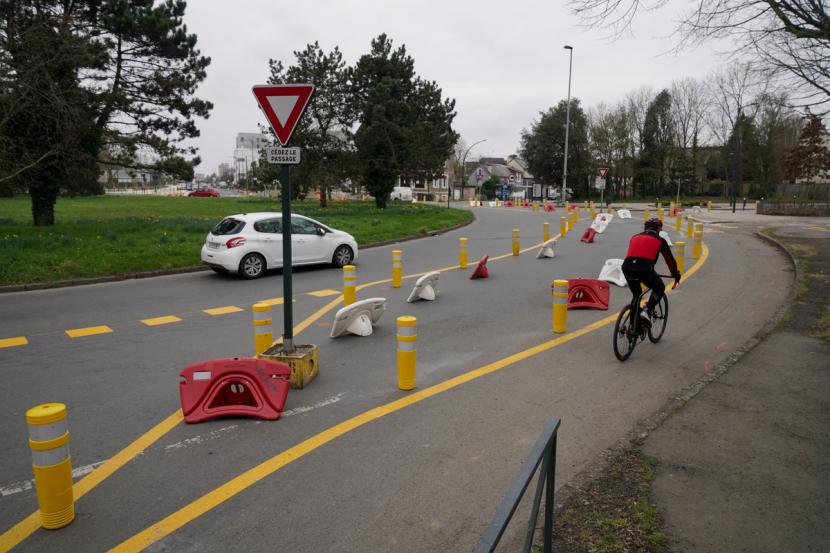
(588, 293)
(481, 269)
(508, 203)
(244, 387)
(550, 207)
(588, 235)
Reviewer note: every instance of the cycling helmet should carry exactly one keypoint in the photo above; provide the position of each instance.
(654, 224)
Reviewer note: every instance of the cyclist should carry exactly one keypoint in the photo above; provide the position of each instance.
(638, 266)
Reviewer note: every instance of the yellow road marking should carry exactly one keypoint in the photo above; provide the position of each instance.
(822, 229)
(222, 310)
(219, 495)
(324, 293)
(166, 320)
(276, 301)
(88, 331)
(11, 342)
(28, 525)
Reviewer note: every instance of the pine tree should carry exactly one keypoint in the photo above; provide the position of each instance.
(810, 157)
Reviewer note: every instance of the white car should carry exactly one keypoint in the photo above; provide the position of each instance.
(251, 243)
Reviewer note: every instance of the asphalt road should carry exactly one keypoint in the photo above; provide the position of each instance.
(423, 477)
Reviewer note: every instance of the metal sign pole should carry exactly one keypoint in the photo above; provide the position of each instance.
(287, 292)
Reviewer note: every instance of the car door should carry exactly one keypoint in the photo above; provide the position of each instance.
(308, 245)
(269, 239)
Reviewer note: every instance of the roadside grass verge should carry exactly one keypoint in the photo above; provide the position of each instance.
(613, 513)
(113, 235)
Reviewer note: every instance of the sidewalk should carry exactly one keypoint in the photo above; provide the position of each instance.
(745, 465)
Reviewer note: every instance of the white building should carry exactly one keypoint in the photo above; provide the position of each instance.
(247, 150)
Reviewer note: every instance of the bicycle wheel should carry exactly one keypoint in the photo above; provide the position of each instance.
(659, 320)
(625, 337)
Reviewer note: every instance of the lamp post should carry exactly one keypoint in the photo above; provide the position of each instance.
(567, 124)
(463, 167)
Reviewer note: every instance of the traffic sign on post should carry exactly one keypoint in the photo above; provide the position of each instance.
(602, 172)
(283, 106)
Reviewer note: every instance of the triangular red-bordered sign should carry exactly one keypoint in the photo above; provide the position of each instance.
(283, 105)
(602, 172)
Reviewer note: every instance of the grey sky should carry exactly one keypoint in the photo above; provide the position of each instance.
(503, 62)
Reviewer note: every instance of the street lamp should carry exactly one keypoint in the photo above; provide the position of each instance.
(463, 167)
(567, 124)
(738, 161)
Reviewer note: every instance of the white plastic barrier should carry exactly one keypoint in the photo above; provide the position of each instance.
(547, 249)
(426, 288)
(358, 317)
(612, 272)
(624, 213)
(601, 222)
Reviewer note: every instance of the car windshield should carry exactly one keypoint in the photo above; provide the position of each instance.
(227, 226)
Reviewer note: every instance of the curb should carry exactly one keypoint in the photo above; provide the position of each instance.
(637, 436)
(193, 268)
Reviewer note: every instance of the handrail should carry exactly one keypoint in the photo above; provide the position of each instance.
(543, 450)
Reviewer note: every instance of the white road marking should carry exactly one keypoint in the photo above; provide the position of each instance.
(26, 485)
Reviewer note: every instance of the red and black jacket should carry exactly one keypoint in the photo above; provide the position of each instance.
(647, 246)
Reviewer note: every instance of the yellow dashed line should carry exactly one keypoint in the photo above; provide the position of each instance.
(166, 320)
(275, 301)
(822, 229)
(88, 331)
(223, 310)
(324, 293)
(11, 342)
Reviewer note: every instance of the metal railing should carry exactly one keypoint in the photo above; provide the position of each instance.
(544, 452)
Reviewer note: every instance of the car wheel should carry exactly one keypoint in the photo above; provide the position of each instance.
(343, 255)
(252, 266)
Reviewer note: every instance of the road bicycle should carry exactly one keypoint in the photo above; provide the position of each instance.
(630, 328)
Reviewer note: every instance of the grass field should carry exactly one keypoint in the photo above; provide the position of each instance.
(109, 235)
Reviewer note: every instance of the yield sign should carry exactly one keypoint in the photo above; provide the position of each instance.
(283, 105)
(602, 172)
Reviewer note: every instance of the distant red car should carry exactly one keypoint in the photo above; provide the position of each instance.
(204, 194)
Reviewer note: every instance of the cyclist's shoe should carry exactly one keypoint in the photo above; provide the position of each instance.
(645, 319)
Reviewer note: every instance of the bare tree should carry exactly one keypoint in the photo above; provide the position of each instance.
(734, 87)
(688, 104)
(790, 37)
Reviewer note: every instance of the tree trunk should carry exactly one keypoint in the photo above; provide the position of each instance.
(324, 195)
(43, 205)
(380, 201)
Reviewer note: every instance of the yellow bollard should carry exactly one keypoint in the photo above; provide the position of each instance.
(677, 221)
(559, 289)
(515, 241)
(660, 214)
(610, 209)
(567, 206)
(570, 222)
(262, 327)
(407, 354)
(576, 215)
(709, 207)
(545, 231)
(699, 227)
(349, 284)
(52, 464)
(680, 249)
(697, 248)
(397, 268)
(563, 227)
(462, 253)
(645, 215)
(689, 227)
